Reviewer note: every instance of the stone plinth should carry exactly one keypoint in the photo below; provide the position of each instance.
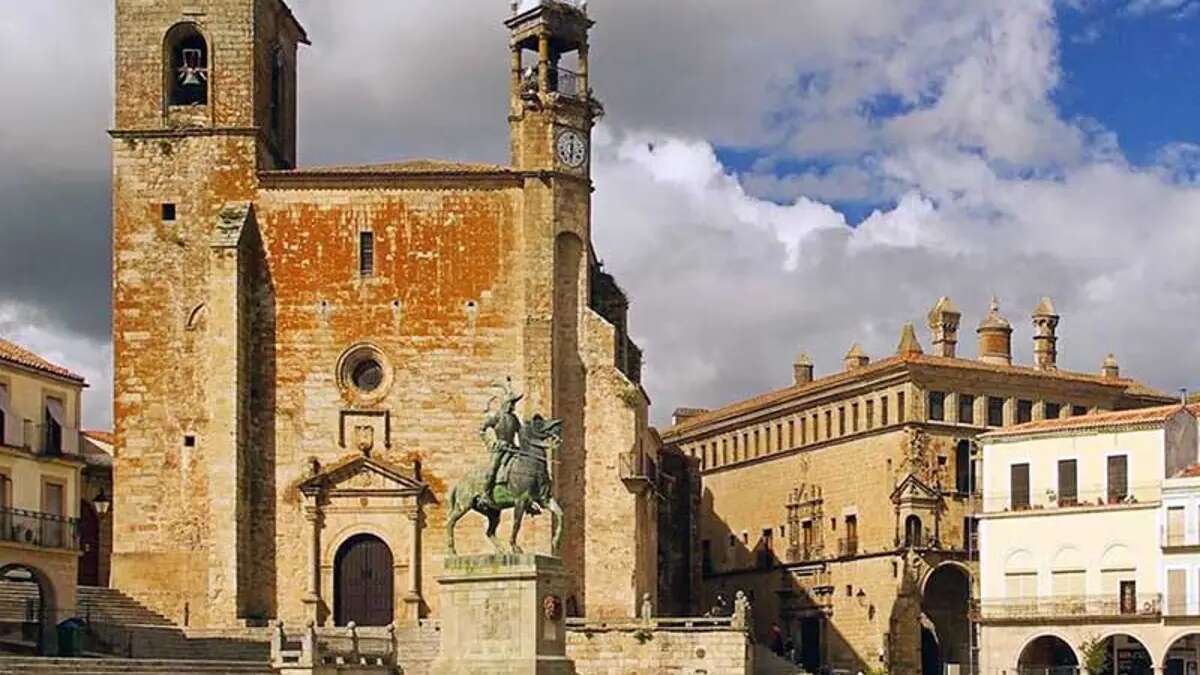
(503, 615)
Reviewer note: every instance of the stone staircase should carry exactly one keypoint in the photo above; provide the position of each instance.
(113, 606)
(20, 665)
(766, 662)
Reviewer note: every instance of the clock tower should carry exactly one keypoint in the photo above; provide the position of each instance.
(551, 110)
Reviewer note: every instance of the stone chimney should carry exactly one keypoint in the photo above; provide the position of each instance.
(995, 337)
(943, 321)
(1045, 341)
(1111, 370)
(856, 358)
(802, 369)
(909, 344)
(682, 415)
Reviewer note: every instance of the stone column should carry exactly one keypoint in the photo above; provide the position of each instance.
(544, 63)
(583, 71)
(413, 599)
(312, 594)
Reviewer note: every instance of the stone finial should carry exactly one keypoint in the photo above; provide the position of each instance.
(1110, 369)
(943, 322)
(909, 344)
(802, 369)
(1045, 339)
(856, 358)
(995, 337)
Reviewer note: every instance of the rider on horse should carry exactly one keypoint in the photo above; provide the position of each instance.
(505, 424)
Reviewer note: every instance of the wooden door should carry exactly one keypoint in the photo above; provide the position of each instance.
(364, 582)
(89, 542)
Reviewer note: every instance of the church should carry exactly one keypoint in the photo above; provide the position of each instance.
(304, 355)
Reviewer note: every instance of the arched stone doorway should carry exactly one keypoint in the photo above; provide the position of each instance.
(37, 595)
(1126, 655)
(89, 544)
(945, 630)
(1182, 656)
(364, 582)
(1047, 655)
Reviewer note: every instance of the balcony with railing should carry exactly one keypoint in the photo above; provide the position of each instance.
(847, 546)
(41, 439)
(805, 553)
(559, 81)
(34, 528)
(1143, 605)
(638, 471)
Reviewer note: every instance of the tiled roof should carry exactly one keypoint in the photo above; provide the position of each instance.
(102, 436)
(410, 167)
(20, 356)
(1098, 421)
(1131, 387)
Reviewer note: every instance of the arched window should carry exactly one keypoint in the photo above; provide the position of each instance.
(186, 59)
(912, 531)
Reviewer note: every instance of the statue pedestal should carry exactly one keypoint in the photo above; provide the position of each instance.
(503, 615)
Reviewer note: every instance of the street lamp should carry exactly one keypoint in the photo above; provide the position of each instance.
(103, 503)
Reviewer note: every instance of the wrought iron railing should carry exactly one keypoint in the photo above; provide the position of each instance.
(34, 528)
(636, 466)
(1054, 606)
(805, 552)
(564, 82)
(848, 546)
(50, 441)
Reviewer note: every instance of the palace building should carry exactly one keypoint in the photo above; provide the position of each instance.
(304, 355)
(845, 504)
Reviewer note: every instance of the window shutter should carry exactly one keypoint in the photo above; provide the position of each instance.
(1020, 486)
(1068, 482)
(1118, 478)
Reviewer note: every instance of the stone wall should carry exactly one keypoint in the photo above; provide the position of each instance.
(631, 649)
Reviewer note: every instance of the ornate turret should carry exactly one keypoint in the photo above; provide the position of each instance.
(943, 321)
(1110, 369)
(1045, 341)
(802, 369)
(995, 337)
(856, 358)
(909, 344)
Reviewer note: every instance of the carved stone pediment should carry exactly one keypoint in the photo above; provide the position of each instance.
(913, 490)
(361, 475)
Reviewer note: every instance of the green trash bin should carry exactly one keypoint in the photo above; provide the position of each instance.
(70, 638)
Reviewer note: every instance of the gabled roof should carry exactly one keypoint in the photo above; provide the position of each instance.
(1120, 419)
(19, 356)
(912, 487)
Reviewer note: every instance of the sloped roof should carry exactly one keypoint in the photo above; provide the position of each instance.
(1130, 387)
(1098, 421)
(408, 167)
(18, 355)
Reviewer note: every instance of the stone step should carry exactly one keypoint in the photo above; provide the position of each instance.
(109, 604)
(14, 665)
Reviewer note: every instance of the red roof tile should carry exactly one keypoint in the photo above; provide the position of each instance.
(20, 356)
(1107, 420)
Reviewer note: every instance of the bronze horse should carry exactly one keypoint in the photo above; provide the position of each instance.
(527, 489)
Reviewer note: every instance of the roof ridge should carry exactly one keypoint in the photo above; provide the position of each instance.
(21, 356)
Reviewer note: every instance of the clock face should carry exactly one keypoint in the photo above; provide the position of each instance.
(572, 149)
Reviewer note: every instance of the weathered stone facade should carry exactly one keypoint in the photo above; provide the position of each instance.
(844, 504)
(248, 292)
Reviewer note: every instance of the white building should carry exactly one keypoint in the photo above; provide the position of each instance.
(1071, 533)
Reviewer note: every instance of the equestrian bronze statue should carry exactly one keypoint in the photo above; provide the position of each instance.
(519, 475)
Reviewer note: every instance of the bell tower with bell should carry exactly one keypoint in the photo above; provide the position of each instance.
(552, 109)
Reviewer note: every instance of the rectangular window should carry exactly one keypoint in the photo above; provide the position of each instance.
(842, 421)
(3, 415)
(791, 433)
(854, 416)
(766, 550)
(706, 560)
(757, 449)
(970, 538)
(851, 535)
(745, 446)
(1176, 592)
(995, 411)
(1129, 604)
(871, 413)
(1176, 526)
(366, 254)
(883, 411)
(1068, 482)
(966, 409)
(1019, 481)
(937, 406)
(1020, 585)
(54, 503)
(1118, 478)
(53, 421)
(1078, 410)
(815, 432)
(828, 424)
(725, 450)
(1053, 411)
(168, 212)
(1068, 582)
(806, 541)
(803, 430)
(1024, 411)
(901, 412)
(779, 436)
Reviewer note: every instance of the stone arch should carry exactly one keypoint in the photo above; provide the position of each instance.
(364, 581)
(1046, 652)
(46, 604)
(945, 629)
(339, 538)
(1068, 558)
(1143, 666)
(1181, 643)
(1020, 560)
(1116, 557)
(187, 61)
